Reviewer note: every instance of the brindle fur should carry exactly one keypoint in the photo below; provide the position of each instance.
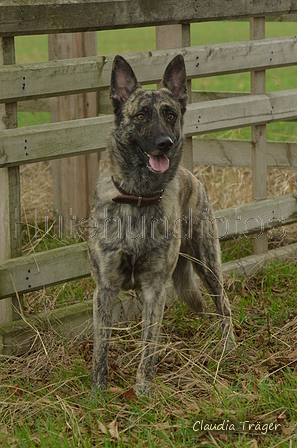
(142, 248)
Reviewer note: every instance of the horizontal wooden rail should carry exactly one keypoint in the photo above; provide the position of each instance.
(43, 104)
(53, 78)
(32, 272)
(70, 138)
(231, 113)
(20, 17)
(224, 152)
(17, 337)
(54, 140)
(250, 265)
(256, 217)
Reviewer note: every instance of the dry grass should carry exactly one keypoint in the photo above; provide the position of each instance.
(48, 393)
(231, 187)
(36, 191)
(226, 187)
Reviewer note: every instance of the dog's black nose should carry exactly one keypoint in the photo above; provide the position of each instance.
(164, 143)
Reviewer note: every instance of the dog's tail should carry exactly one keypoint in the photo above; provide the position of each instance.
(186, 285)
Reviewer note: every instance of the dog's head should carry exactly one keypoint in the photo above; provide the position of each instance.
(148, 124)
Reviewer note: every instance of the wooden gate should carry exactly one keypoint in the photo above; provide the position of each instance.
(18, 83)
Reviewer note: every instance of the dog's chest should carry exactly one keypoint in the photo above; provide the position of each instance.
(134, 241)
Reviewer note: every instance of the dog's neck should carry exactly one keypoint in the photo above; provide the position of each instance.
(135, 198)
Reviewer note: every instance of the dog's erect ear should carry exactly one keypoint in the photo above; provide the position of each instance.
(174, 79)
(123, 82)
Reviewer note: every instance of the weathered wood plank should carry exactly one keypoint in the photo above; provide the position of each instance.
(219, 114)
(5, 306)
(32, 272)
(239, 112)
(20, 17)
(35, 271)
(43, 105)
(223, 152)
(280, 18)
(53, 78)
(10, 206)
(197, 96)
(259, 153)
(257, 217)
(50, 141)
(17, 337)
(251, 264)
(6, 310)
(187, 158)
(55, 140)
(177, 36)
(74, 179)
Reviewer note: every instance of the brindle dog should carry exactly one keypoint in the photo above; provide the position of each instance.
(152, 219)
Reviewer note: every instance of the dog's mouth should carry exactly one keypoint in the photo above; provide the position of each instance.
(158, 163)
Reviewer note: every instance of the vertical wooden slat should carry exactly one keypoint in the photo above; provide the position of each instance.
(6, 304)
(10, 207)
(259, 155)
(74, 178)
(177, 36)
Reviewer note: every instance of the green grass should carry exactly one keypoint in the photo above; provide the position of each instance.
(35, 48)
(45, 401)
(45, 397)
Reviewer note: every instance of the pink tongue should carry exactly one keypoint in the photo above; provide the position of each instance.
(159, 163)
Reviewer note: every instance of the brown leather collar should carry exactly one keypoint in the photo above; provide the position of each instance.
(134, 198)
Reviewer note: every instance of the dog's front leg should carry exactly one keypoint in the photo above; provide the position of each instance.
(103, 302)
(152, 315)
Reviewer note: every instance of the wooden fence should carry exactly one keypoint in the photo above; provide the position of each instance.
(23, 83)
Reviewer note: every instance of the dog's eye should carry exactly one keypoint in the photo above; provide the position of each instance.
(171, 116)
(140, 117)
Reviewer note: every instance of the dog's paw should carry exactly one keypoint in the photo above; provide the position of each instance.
(142, 390)
(229, 344)
(98, 393)
(99, 386)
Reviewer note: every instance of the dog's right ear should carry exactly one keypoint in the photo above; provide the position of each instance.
(123, 82)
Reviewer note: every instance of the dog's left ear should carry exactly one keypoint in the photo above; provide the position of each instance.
(174, 79)
(123, 82)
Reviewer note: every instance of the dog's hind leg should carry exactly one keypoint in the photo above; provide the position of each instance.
(208, 267)
(205, 255)
(186, 284)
